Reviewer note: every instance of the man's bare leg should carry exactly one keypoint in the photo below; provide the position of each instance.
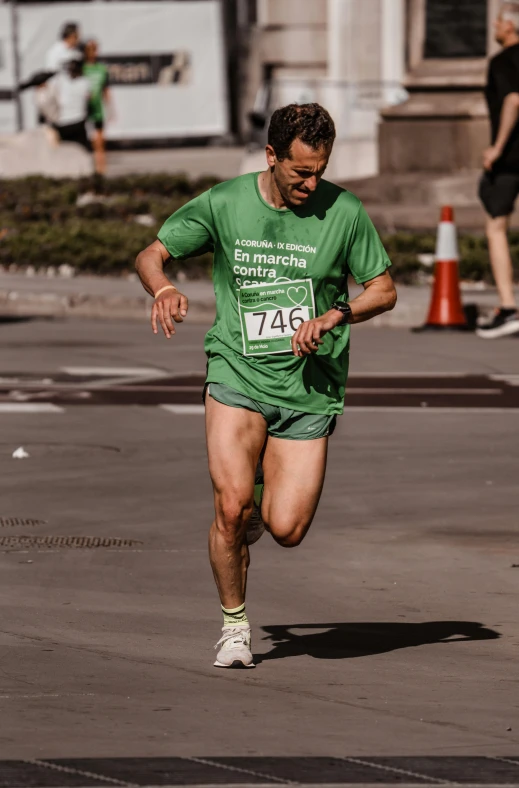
(500, 259)
(235, 438)
(294, 476)
(98, 144)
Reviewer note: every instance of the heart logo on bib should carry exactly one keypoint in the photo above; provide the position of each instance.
(297, 294)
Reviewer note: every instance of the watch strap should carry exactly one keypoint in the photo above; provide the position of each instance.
(345, 309)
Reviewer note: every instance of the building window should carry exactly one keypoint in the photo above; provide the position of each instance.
(455, 29)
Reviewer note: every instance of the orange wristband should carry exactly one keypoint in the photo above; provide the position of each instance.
(162, 289)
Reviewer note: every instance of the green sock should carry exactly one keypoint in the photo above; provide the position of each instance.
(234, 616)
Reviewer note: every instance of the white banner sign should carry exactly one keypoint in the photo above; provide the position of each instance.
(166, 62)
(7, 80)
(6, 52)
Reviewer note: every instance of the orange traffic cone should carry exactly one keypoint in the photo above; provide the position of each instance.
(446, 310)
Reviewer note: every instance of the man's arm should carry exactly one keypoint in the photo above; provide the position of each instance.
(170, 305)
(109, 104)
(379, 296)
(507, 123)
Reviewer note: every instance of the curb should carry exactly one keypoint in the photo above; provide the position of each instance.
(14, 303)
(410, 311)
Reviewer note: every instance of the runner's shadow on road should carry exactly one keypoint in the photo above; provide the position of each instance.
(350, 641)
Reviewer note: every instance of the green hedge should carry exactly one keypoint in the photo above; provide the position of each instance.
(41, 225)
(404, 248)
(95, 246)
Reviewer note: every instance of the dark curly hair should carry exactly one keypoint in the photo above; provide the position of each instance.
(68, 29)
(309, 123)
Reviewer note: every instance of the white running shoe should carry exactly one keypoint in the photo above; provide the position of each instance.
(235, 648)
(255, 527)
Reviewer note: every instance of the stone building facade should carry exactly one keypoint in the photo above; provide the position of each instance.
(402, 78)
(443, 126)
(346, 54)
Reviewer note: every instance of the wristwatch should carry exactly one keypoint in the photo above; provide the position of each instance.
(345, 309)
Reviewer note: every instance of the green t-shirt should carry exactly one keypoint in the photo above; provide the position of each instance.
(324, 241)
(97, 75)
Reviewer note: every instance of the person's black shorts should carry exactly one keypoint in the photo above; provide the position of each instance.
(498, 192)
(75, 132)
(98, 125)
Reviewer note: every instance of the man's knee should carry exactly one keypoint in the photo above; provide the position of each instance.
(288, 534)
(232, 515)
(289, 540)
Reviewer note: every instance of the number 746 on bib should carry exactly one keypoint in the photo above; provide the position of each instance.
(271, 314)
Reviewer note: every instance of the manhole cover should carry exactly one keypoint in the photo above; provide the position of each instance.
(67, 541)
(11, 522)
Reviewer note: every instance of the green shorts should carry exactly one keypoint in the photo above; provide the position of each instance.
(293, 425)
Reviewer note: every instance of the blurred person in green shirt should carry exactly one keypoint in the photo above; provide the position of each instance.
(100, 98)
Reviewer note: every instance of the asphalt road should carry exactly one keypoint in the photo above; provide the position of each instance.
(390, 634)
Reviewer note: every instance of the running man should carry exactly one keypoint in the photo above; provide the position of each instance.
(97, 75)
(499, 185)
(284, 242)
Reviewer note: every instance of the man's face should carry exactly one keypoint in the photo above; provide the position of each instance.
(91, 49)
(298, 176)
(73, 40)
(502, 29)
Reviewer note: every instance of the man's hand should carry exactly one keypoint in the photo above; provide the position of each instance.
(507, 123)
(168, 307)
(378, 296)
(490, 156)
(307, 338)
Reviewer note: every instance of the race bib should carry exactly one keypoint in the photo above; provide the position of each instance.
(271, 313)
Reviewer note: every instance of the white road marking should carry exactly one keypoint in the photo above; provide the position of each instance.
(198, 410)
(425, 409)
(394, 770)
(110, 372)
(240, 770)
(185, 410)
(29, 407)
(512, 380)
(356, 390)
(79, 772)
(37, 695)
(416, 374)
(49, 551)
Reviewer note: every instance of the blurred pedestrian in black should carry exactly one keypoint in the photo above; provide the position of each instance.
(499, 185)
